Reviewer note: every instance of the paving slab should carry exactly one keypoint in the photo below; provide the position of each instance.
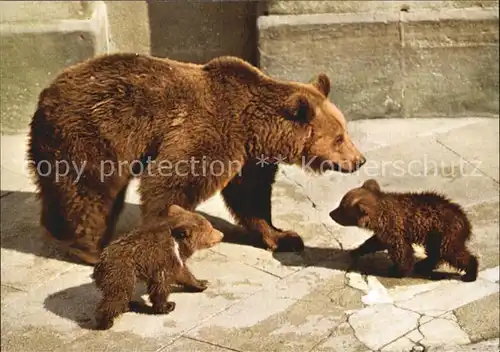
(190, 345)
(449, 296)
(12, 181)
(480, 319)
(480, 152)
(415, 164)
(371, 324)
(293, 316)
(443, 331)
(492, 345)
(262, 301)
(342, 339)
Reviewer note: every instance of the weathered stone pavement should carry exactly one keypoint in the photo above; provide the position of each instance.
(260, 301)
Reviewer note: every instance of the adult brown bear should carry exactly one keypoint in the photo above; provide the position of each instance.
(103, 121)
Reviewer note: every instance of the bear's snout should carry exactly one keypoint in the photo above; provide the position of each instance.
(340, 217)
(216, 236)
(334, 215)
(354, 165)
(362, 161)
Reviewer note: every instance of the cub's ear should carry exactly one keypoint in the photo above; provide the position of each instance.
(322, 83)
(371, 185)
(175, 209)
(298, 108)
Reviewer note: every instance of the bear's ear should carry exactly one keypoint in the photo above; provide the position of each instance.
(175, 209)
(371, 185)
(322, 83)
(298, 108)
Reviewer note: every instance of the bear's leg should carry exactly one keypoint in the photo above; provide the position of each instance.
(113, 216)
(115, 302)
(75, 215)
(78, 186)
(401, 253)
(189, 281)
(462, 259)
(159, 290)
(433, 251)
(371, 245)
(249, 198)
(90, 226)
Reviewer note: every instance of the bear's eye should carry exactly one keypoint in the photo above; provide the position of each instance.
(339, 139)
(180, 233)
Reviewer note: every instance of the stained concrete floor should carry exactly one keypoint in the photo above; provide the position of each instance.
(260, 301)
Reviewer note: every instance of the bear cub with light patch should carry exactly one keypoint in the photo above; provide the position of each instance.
(155, 253)
(399, 220)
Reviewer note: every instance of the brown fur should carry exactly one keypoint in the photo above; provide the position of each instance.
(402, 219)
(128, 107)
(148, 253)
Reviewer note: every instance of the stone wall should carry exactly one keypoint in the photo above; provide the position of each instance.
(283, 7)
(385, 58)
(39, 39)
(389, 58)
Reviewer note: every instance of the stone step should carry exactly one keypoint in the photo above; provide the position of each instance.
(38, 40)
(287, 7)
(423, 63)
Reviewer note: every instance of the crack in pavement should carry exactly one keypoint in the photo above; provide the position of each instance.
(418, 342)
(467, 161)
(354, 332)
(408, 332)
(248, 265)
(212, 344)
(304, 193)
(300, 186)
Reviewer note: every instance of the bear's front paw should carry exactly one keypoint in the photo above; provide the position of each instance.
(203, 283)
(286, 241)
(165, 308)
(199, 286)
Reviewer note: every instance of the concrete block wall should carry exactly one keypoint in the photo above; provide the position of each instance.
(385, 58)
(389, 58)
(37, 40)
(40, 38)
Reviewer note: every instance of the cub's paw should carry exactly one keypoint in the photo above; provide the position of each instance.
(200, 286)
(469, 277)
(203, 284)
(165, 308)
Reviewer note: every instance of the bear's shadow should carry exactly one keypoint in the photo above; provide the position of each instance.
(78, 303)
(21, 231)
(375, 264)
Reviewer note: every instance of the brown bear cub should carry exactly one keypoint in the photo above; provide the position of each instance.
(399, 220)
(157, 254)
